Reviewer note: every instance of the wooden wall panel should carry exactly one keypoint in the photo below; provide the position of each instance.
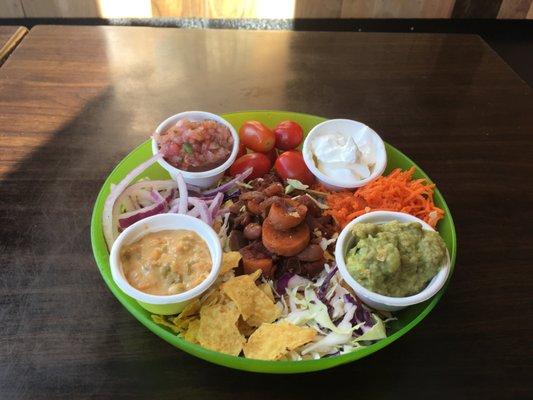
(318, 8)
(266, 9)
(61, 8)
(172, 8)
(514, 9)
(227, 8)
(124, 8)
(397, 8)
(11, 9)
(244, 8)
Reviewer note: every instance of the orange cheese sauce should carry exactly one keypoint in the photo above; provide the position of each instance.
(166, 262)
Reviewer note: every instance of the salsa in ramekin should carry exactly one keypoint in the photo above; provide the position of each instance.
(195, 146)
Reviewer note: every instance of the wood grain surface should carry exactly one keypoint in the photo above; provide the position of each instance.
(75, 100)
(10, 37)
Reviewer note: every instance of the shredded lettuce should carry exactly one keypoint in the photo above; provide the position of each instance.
(223, 233)
(377, 332)
(294, 184)
(334, 319)
(324, 243)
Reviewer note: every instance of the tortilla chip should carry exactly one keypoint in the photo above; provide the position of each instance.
(212, 297)
(183, 324)
(158, 319)
(245, 329)
(191, 309)
(230, 261)
(218, 330)
(191, 335)
(256, 274)
(266, 289)
(253, 303)
(273, 341)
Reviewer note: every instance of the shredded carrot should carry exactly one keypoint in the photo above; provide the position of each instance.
(395, 192)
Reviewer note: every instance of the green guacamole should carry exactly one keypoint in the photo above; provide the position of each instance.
(395, 259)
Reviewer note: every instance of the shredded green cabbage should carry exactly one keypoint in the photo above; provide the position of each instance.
(331, 316)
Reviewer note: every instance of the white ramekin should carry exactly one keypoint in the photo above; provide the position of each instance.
(170, 304)
(203, 179)
(375, 300)
(355, 129)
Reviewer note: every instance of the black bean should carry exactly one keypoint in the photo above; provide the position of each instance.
(313, 252)
(252, 231)
(236, 240)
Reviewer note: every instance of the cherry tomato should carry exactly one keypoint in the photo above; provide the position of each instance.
(242, 150)
(256, 136)
(291, 164)
(260, 163)
(288, 134)
(272, 155)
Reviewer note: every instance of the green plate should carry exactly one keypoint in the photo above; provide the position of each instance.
(407, 318)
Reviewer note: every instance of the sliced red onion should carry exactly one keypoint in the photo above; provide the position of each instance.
(215, 204)
(138, 195)
(228, 185)
(283, 282)
(206, 198)
(183, 194)
(131, 217)
(107, 215)
(202, 208)
(174, 205)
(171, 196)
(194, 212)
(157, 196)
(192, 188)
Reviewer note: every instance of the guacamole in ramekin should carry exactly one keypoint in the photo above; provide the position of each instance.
(395, 259)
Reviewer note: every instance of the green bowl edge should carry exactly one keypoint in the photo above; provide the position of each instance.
(275, 367)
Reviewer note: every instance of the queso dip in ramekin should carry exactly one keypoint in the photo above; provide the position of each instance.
(182, 289)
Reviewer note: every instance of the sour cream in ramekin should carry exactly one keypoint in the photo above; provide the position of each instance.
(344, 153)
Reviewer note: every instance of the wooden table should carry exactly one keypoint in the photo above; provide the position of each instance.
(10, 37)
(75, 100)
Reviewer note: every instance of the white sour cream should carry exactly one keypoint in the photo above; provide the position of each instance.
(342, 157)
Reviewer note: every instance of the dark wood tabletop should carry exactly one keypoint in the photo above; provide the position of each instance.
(75, 100)
(10, 37)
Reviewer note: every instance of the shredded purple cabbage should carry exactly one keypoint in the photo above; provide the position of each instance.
(283, 282)
(323, 289)
(361, 313)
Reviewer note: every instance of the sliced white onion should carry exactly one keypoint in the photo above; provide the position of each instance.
(183, 194)
(194, 212)
(174, 205)
(228, 185)
(215, 204)
(138, 194)
(116, 190)
(202, 208)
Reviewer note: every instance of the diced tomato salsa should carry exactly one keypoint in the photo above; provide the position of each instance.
(195, 145)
